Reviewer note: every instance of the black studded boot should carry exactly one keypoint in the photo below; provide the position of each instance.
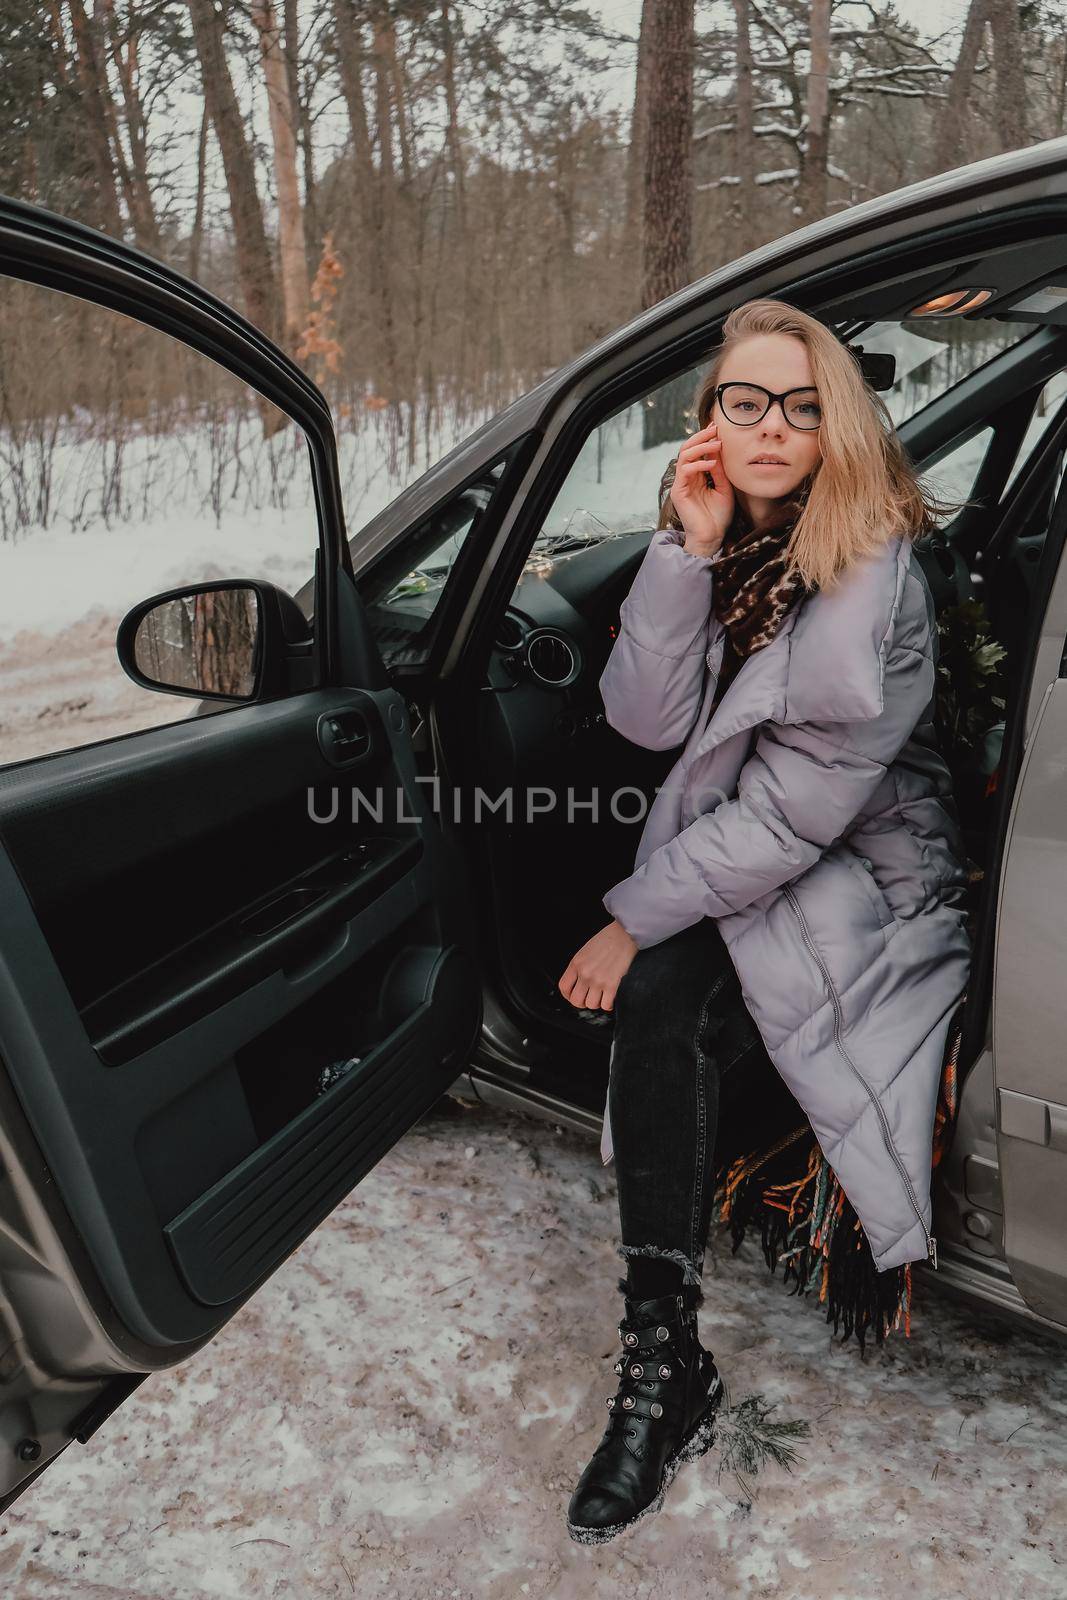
(663, 1413)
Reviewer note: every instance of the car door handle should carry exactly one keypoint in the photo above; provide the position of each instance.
(345, 736)
(276, 913)
(1025, 1116)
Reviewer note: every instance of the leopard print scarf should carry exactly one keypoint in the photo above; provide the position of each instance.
(753, 587)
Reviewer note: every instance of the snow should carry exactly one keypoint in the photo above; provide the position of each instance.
(182, 509)
(45, 580)
(404, 1409)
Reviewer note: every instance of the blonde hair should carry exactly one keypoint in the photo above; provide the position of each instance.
(864, 489)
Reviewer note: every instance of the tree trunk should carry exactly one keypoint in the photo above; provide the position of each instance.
(385, 208)
(89, 64)
(455, 150)
(196, 235)
(813, 199)
(635, 164)
(668, 216)
(407, 252)
(954, 122)
(255, 269)
(1061, 90)
(365, 194)
(668, 210)
(745, 166)
(296, 301)
(138, 187)
(398, 92)
(312, 220)
(349, 39)
(458, 169)
(1008, 71)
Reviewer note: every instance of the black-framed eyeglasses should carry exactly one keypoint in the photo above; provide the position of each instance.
(747, 403)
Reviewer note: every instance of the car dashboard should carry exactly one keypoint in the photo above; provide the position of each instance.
(553, 641)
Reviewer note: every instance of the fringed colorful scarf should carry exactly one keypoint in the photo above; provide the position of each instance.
(805, 1220)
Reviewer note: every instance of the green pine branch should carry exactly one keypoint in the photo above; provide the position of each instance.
(749, 1442)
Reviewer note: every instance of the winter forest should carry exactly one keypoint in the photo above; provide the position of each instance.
(429, 205)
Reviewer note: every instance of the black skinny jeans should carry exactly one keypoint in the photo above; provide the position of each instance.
(683, 1043)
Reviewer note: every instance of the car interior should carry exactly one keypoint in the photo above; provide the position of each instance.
(982, 410)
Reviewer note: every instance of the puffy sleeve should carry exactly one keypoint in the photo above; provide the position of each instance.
(801, 788)
(654, 678)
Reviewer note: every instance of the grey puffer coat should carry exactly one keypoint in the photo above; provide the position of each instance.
(812, 815)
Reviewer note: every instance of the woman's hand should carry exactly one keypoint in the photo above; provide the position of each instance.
(595, 972)
(705, 511)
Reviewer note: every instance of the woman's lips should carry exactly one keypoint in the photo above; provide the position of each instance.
(768, 466)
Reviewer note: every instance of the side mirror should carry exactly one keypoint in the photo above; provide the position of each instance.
(233, 639)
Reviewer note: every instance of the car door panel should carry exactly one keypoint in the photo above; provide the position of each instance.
(165, 1049)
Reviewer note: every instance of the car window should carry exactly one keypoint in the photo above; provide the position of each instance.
(402, 590)
(129, 465)
(1048, 403)
(612, 488)
(955, 475)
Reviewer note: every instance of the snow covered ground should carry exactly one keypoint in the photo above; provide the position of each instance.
(404, 1409)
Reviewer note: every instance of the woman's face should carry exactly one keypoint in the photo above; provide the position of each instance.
(775, 361)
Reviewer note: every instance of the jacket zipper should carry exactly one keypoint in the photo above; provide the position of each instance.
(931, 1242)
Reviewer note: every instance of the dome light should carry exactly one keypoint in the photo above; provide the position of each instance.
(952, 304)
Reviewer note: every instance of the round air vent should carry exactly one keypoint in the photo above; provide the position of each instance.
(552, 658)
(509, 633)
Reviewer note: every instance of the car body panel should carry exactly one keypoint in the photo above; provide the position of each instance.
(1030, 1000)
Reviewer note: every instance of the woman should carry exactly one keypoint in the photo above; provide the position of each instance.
(801, 868)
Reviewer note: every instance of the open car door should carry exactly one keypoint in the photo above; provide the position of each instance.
(237, 957)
